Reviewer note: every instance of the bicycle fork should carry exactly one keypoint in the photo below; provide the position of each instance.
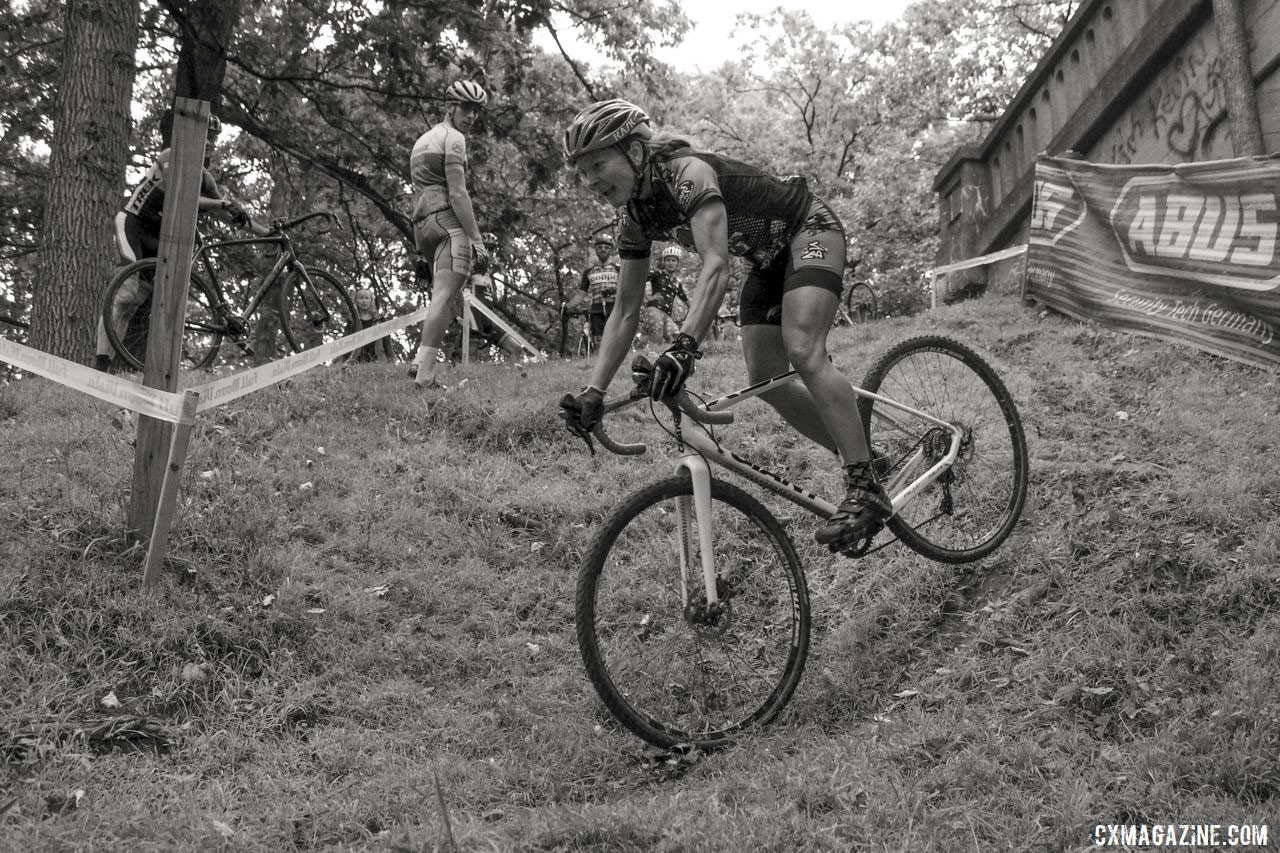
(695, 524)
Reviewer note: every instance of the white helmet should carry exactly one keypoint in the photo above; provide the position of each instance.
(465, 92)
(671, 252)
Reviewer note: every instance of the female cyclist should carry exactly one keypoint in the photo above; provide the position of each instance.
(795, 248)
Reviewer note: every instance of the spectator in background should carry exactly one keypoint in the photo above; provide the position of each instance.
(665, 291)
(482, 291)
(597, 288)
(367, 311)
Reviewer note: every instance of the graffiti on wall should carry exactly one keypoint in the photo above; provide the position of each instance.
(1179, 117)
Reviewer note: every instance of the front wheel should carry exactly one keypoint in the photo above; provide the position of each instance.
(669, 666)
(974, 505)
(126, 316)
(315, 309)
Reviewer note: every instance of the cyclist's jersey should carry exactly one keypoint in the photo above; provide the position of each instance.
(601, 282)
(147, 200)
(439, 147)
(666, 289)
(763, 211)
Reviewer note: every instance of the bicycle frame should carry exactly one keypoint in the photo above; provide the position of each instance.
(698, 449)
(287, 258)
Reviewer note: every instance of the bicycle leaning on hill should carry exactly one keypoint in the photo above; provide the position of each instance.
(692, 608)
(314, 306)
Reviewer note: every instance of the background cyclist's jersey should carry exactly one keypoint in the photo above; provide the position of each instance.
(665, 289)
(763, 211)
(601, 282)
(147, 200)
(439, 147)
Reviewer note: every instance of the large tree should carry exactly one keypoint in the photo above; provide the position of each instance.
(86, 163)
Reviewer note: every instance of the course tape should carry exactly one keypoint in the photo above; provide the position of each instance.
(228, 388)
(127, 393)
(163, 405)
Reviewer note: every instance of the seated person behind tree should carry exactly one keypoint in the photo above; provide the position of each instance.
(367, 310)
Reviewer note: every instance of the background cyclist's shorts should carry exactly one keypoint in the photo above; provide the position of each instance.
(136, 238)
(815, 258)
(440, 238)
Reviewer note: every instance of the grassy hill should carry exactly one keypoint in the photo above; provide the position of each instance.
(364, 635)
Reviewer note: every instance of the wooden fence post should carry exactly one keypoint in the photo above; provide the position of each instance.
(168, 305)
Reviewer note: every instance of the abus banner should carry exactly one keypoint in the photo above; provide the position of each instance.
(1189, 253)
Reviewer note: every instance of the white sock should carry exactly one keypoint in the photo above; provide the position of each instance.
(427, 359)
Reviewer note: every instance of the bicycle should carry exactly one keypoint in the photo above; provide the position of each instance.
(692, 607)
(582, 344)
(858, 304)
(313, 305)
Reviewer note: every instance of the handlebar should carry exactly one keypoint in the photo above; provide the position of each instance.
(280, 225)
(683, 402)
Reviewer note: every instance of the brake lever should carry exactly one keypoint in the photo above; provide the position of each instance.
(567, 415)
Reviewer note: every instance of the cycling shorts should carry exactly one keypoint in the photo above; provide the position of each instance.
(814, 258)
(440, 238)
(136, 238)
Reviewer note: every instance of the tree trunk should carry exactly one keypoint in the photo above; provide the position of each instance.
(1237, 79)
(86, 170)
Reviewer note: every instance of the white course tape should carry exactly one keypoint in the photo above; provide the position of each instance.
(228, 388)
(126, 393)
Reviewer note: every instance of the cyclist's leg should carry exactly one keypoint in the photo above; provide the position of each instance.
(810, 298)
(441, 237)
(766, 356)
(134, 241)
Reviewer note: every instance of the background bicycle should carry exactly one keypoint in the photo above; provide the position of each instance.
(692, 607)
(229, 297)
(858, 304)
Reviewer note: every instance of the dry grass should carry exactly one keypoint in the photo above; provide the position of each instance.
(370, 590)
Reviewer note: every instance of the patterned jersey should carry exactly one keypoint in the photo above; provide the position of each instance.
(439, 147)
(763, 211)
(147, 200)
(601, 281)
(665, 289)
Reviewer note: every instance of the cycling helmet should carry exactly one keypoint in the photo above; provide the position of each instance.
(603, 124)
(215, 126)
(489, 239)
(465, 92)
(672, 252)
(602, 239)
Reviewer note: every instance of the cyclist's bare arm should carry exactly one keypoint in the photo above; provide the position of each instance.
(460, 199)
(620, 328)
(711, 237)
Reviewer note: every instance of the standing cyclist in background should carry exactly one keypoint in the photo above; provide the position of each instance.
(599, 287)
(664, 290)
(795, 248)
(444, 223)
(137, 230)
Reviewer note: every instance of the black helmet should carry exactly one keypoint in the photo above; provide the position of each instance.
(603, 124)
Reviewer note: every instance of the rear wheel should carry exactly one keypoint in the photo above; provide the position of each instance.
(126, 314)
(315, 309)
(670, 666)
(973, 506)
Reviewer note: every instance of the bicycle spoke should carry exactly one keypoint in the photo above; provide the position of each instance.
(683, 671)
(972, 507)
